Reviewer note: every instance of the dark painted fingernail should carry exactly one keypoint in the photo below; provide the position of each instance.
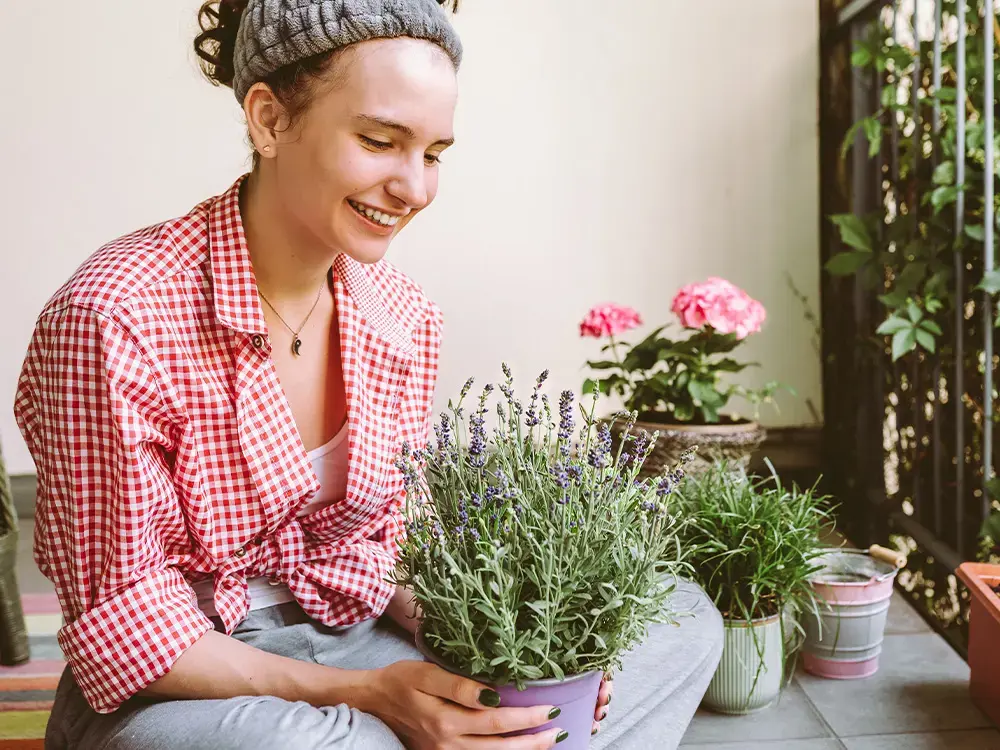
(604, 716)
(561, 736)
(609, 701)
(594, 731)
(489, 698)
(554, 713)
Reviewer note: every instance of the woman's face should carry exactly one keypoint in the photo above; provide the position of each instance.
(363, 159)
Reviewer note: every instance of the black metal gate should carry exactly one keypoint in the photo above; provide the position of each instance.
(908, 175)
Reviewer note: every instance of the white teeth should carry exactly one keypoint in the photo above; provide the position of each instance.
(375, 215)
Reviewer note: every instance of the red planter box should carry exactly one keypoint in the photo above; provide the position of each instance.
(984, 636)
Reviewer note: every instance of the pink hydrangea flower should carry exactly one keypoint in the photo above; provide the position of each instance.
(609, 320)
(721, 305)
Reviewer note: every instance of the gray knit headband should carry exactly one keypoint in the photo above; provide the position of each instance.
(275, 33)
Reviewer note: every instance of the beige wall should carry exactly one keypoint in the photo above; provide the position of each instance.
(603, 155)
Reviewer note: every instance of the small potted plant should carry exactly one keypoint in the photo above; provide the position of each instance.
(753, 545)
(536, 555)
(679, 385)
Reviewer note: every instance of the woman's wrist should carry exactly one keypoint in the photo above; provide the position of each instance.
(404, 610)
(368, 691)
(332, 686)
(320, 685)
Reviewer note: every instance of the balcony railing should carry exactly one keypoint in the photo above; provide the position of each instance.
(910, 416)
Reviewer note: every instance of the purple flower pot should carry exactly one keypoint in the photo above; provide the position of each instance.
(576, 696)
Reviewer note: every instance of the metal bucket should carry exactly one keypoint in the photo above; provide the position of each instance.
(852, 592)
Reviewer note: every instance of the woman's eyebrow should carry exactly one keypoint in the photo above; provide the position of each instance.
(398, 127)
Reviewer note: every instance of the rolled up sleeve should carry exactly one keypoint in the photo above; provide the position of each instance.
(92, 412)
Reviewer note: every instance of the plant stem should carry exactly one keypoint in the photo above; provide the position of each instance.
(621, 365)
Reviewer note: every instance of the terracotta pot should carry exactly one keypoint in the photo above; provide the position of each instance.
(730, 440)
(984, 635)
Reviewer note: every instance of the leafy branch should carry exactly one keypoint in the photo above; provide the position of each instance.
(905, 249)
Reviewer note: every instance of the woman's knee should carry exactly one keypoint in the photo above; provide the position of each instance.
(331, 728)
(702, 632)
(714, 627)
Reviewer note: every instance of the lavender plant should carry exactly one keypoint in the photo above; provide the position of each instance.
(536, 552)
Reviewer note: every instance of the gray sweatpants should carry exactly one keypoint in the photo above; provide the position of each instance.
(655, 695)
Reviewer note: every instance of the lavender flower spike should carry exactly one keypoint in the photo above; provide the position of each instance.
(566, 423)
(532, 417)
(600, 454)
(467, 387)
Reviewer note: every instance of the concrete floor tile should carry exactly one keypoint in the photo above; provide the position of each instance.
(791, 718)
(903, 618)
(827, 744)
(978, 739)
(922, 685)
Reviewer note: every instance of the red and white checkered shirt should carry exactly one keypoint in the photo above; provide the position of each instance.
(166, 450)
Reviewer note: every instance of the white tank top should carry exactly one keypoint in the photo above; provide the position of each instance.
(329, 462)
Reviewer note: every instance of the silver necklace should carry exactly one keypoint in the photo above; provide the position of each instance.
(296, 341)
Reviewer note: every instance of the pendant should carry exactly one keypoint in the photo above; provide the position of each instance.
(296, 345)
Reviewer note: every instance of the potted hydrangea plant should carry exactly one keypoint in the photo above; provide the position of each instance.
(536, 555)
(680, 385)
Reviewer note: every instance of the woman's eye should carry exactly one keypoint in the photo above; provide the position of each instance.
(371, 142)
(432, 159)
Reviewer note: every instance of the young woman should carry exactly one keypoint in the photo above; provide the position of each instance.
(214, 403)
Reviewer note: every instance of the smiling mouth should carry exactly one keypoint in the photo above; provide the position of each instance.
(374, 215)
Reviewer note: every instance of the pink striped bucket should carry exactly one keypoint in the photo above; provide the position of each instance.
(844, 635)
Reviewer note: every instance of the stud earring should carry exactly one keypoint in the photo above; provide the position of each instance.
(267, 149)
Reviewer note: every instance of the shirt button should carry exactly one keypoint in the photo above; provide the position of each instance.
(257, 341)
(240, 552)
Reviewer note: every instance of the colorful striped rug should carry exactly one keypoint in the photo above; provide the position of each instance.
(26, 691)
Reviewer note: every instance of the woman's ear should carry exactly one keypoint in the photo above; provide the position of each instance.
(266, 118)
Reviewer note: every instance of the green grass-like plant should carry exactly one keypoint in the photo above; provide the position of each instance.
(753, 543)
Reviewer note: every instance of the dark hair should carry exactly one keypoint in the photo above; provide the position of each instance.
(216, 44)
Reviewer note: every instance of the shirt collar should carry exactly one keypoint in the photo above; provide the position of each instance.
(235, 286)
(366, 287)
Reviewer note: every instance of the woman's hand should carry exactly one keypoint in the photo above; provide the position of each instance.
(431, 709)
(603, 699)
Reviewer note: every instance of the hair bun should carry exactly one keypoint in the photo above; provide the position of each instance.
(216, 44)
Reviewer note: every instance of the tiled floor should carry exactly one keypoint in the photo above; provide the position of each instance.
(918, 700)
